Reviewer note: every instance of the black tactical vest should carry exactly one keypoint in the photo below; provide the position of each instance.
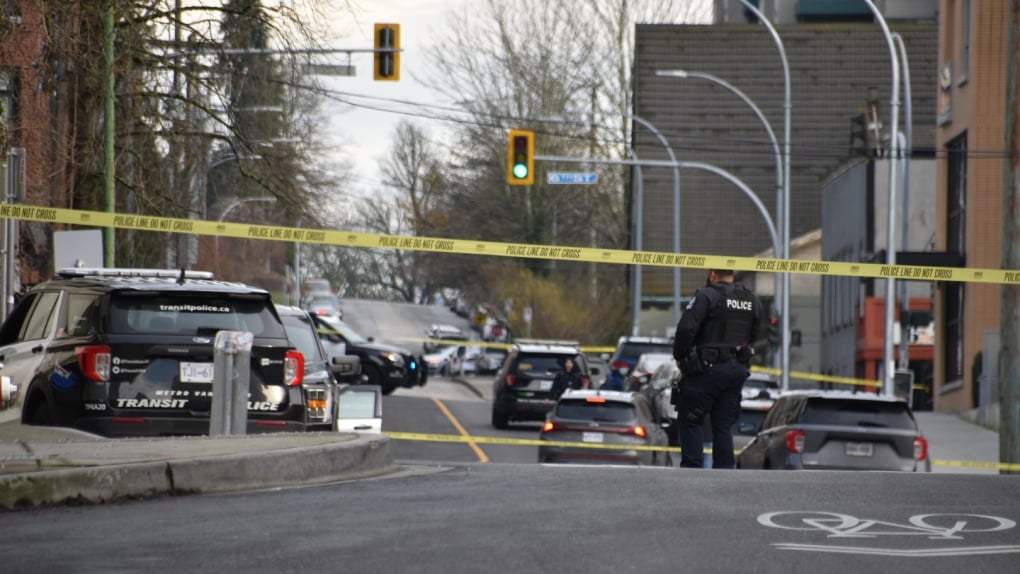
(731, 317)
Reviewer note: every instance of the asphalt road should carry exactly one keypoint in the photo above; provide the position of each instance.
(474, 518)
(458, 507)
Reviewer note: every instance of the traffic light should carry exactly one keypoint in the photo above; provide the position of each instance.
(520, 155)
(774, 331)
(387, 52)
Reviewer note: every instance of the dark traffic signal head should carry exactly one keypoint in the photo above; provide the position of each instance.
(387, 55)
(773, 334)
(521, 158)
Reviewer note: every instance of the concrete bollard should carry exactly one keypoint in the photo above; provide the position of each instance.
(231, 375)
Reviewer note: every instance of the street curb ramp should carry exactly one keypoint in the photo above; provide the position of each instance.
(366, 456)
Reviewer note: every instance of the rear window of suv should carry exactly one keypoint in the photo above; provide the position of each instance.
(540, 364)
(192, 314)
(857, 413)
(609, 411)
(631, 351)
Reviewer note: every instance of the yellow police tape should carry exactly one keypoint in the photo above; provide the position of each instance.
(502, 249)
(535, 442)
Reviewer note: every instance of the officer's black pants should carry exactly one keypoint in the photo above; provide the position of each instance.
(716, 393)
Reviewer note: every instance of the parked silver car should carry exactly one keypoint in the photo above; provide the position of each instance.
(619, 420)
(837, 430)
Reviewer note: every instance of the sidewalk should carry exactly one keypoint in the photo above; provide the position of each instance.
(958, 446)
(40, 465)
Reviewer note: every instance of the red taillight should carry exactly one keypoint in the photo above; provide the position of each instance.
(795, 441)
(619, 365)
(639, 431)
(293, 368)
(548, 426)
(595, 400)
(920, 448)
(509, 380)
(94, 362)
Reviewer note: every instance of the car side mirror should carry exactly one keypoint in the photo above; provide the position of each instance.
(346, 368)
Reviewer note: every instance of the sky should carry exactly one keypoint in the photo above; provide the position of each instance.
(368, 132)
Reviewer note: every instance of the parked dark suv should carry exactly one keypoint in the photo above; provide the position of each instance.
(628, 349)
(388, 366)
(129, 352)
(323, 372)
(523, 386)
(837, 430)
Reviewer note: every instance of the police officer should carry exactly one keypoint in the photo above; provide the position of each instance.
(712, 345)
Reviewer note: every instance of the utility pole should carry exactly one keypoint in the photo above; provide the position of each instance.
(1009, 358)
(108, 132)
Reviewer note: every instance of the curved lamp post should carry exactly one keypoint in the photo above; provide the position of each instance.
(906, 144)
(684, 165)
(684, 74)
(638, 225)
(676, 205)
(784, 219)
(890, 250)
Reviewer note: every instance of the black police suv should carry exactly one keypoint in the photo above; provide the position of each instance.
(388, 366)
(523, 389)
(129, 352)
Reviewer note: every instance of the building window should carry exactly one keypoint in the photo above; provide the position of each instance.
(8, 93)
(964, 42)
(953, 293)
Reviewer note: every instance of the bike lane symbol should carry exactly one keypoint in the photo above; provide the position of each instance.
(931, 526)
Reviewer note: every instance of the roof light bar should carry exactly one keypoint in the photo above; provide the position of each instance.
(68, 272)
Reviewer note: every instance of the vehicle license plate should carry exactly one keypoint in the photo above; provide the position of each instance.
(196, 372)
(591, 437)
(545, 385)
(859, 449)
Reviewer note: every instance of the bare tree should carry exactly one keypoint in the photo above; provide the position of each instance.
(562, 69)
(190, 84)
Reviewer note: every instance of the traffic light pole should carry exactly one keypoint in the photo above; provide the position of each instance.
(684, 165)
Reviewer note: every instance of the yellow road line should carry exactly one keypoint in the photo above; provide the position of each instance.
(482, 457)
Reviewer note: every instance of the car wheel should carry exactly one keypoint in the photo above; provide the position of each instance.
(500, 419)
(372, 376)
(41, 415)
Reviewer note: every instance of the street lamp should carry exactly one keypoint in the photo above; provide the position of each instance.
(890, 251)
(784, 219)
(684, 74)
(638, 225)
(907, 145)
(676, 204)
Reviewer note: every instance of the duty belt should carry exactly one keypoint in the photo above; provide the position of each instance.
(717, 354)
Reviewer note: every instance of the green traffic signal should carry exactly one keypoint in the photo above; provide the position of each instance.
(521, 157)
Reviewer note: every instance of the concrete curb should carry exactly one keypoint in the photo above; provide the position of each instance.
(467, 384)
(365, 456)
